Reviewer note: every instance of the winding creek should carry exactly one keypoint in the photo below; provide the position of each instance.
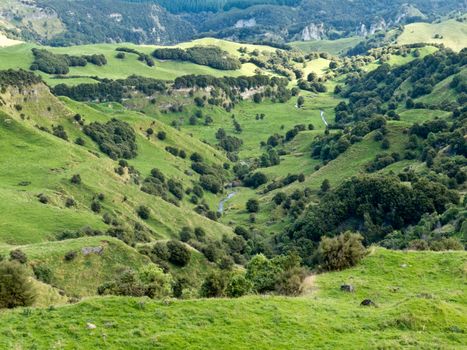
(220, 209)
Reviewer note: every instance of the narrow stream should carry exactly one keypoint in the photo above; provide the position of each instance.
(324, 119)
(222, 202)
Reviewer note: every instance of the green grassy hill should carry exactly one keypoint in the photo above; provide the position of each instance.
(451, 33)
(20, 56)
(352, 111)
(89, 269)
(334, 47)
(420, 304)
(40, 163)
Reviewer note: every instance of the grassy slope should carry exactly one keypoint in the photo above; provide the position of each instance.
(46, 163)
(82, 276)
(441, 91)
(420, 299)
(454, 34)
(334, 47)
(20, 56)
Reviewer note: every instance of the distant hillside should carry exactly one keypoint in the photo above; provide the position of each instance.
(168, 22)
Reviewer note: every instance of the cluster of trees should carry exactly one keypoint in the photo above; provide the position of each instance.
(232, 86)
(157, 185)
(280, 62)
(101, 22)
(102, 91)
(212, 177)
(312, 83)
(196, 6)
(227, 142)
(376, 205)
(211, 56)
(149, 281)
(111, 90)
(330, 145)
(289, 179)
(143, 57)
(381, 161)
(378, 92)
(115, 138)
(426, 234)
(293, 204)
(51, 63)
(18, 78)
(441, 144)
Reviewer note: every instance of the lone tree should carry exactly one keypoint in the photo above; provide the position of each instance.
(340, 252)
(252, 205)
(179, 254)
(143, 212)
(300, 102)
(15, 287)
(325, 186)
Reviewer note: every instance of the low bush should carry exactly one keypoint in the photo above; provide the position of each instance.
(16, 289)
(340, 252)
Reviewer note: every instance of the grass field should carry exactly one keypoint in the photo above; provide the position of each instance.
(20, 56)
(334, 47)
(419, 297)
(453, 34)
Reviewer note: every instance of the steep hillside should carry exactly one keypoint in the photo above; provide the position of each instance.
(418, 295)
(168, 22)
(28, 121)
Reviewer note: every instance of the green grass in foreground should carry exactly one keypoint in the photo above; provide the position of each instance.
(420, 298)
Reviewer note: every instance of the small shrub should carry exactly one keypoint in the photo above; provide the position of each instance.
(160, 251)
(179, 254)
(16, 288)
(70, 202)
(43, 198)
(70, 256)
(186, 234)
(340, 252)
(252, 206)
(43, 273)
(214, 285)
(238, 286)
(143, 212)
(76, 179)
(162, 135)
(96, 207)
(19, 256)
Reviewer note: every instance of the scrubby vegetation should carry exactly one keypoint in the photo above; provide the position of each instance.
(115, 138)
(50, 63)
